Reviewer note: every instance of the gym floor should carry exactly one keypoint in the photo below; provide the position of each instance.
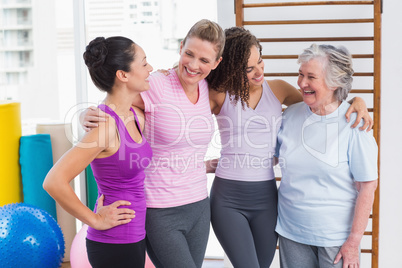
(207, 264)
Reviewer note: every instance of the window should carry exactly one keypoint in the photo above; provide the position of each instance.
(58, 99)
(23, 37)
(23, 17)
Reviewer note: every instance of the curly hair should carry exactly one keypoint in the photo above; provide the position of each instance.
(230, 75)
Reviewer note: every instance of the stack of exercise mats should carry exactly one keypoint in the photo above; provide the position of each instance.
(25, 162)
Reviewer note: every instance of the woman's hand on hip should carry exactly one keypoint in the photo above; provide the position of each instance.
(111, 215)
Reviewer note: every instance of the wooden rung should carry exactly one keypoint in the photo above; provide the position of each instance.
(368, 233)
(273, 22)
(363, 56)
(296, 74)
(362, 91)
(274, 57)
(281, 74)
(309, 3)
(317, 39)
(363, 74)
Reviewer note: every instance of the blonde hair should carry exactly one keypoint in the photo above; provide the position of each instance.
(208, 31)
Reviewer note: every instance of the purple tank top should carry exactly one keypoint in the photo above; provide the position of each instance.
(121, 177)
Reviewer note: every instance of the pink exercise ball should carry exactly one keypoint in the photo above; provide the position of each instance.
(78, 252)
(148, 262)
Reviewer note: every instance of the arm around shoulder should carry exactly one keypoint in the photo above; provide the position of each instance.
(285, 92)
(358, 105)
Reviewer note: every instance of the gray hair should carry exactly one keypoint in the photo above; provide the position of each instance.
(337, 63)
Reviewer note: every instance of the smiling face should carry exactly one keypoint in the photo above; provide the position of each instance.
(316, 94)
(139, 71)
(197, 59)
(255, 68)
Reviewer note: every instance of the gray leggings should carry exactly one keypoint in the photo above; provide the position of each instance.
(243, 216)
(177, 237)
(296, 255)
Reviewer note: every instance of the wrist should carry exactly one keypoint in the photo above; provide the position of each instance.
(93, 221)
(354, 239)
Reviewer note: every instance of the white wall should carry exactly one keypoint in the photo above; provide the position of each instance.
(390, 239)
(391, 140)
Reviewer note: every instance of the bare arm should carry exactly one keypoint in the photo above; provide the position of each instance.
(211, 165)
(288, 95)
(57, 183)
(350, 249)
(359, 106)
(216, 100)
(92, 116)
(285, 92)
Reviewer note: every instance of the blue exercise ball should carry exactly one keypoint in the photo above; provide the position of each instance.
(29, 237)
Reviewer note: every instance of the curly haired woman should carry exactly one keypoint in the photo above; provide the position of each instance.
(249, 113)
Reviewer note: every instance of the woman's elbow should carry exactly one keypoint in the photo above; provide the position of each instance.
(46, 185)
(49, 183)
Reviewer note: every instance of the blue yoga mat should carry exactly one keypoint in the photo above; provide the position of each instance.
(36, 160)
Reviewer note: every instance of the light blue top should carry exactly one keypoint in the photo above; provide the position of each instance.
(321, 157)
(248, 138)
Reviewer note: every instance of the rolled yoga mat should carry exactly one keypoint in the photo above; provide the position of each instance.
(10, 133)
(36, 160)
(61, 138)
(92, 188)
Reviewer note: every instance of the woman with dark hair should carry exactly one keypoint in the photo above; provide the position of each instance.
(179, 127)
(248, 110)
(118, 153)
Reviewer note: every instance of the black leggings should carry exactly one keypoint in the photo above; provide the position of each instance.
(116, 255)
(243, 216)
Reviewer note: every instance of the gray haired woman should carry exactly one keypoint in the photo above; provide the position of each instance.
(329, 170)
